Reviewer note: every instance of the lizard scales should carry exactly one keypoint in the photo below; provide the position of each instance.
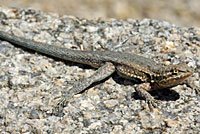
(130, 66)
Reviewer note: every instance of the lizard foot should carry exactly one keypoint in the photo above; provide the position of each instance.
(58, 109)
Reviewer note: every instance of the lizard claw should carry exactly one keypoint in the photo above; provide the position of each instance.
(58, 109)
(62, 102)
(197, 90)
(153, 103)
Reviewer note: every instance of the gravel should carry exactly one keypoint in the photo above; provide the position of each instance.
(30, 82)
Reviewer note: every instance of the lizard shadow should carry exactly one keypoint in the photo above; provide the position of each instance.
(163, 95)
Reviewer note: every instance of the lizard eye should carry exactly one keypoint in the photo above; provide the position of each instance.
(175, 72)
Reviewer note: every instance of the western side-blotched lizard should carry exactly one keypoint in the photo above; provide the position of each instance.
(155, 76)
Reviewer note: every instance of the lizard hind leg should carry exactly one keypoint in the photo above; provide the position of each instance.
(103, 72)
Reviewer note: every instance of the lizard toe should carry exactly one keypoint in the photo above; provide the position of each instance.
(153, 103)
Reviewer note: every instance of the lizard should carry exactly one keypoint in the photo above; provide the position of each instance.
(153, 75)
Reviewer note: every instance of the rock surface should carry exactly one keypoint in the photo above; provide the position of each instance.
(30, 82)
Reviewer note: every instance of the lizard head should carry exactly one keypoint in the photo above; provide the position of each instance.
(173, 75)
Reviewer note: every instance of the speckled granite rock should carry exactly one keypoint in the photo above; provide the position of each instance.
(30, 83)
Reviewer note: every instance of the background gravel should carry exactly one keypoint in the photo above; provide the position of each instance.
(179, 12)
(31, 83)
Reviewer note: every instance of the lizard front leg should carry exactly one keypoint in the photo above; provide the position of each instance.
(142, 92)
(103, 72)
